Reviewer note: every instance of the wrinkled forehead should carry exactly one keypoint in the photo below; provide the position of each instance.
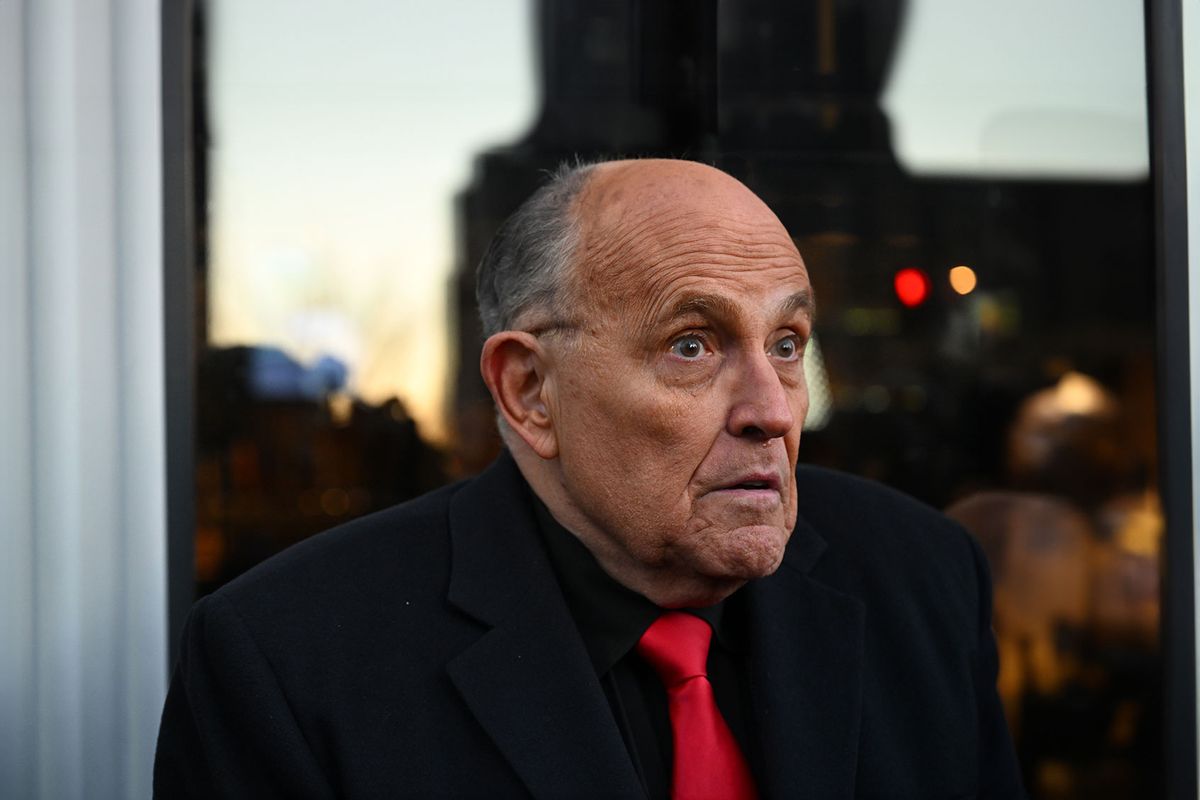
(646, 225)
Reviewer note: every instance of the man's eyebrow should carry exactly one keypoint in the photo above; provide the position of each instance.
(703, 305)
(802, 301)
(710, 306)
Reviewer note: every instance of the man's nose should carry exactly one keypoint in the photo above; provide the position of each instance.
(761, 405)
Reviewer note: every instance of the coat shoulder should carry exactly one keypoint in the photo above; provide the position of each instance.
(360, 564)
(897, 554)
(860, 514)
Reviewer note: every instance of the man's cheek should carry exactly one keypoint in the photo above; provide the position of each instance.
(670, 416)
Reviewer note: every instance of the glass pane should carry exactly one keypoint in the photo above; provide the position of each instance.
(968, 184)
(340, 137)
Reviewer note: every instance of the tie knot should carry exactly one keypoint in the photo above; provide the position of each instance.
(676, 645)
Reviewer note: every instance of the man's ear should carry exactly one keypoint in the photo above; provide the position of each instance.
(513, 365)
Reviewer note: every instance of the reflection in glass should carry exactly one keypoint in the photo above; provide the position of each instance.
(1074, 548)
(967, 184)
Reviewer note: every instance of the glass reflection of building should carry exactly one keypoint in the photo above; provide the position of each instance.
(1026, 404)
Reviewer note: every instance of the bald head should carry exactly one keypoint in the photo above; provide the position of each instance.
(621, 193)
(575, 232)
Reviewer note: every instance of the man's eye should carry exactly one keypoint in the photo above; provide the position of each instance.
(689, 347)
(788, 348)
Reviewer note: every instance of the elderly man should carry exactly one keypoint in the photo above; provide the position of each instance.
(644, 596)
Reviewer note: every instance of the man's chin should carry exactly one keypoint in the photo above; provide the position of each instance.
(751, 552)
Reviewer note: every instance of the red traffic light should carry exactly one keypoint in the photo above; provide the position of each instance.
(912, 286)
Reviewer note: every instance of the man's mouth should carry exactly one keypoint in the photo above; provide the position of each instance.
(752, 483)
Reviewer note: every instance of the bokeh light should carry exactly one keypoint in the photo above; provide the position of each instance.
(912, 286)
(962, 279)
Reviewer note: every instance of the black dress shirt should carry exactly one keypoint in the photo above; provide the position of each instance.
(611, 619)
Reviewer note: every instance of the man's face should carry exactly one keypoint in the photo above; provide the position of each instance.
(678, 405)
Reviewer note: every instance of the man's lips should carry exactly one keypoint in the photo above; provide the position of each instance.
(752, 482)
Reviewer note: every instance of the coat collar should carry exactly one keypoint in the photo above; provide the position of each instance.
(531, 685)
(528, 680)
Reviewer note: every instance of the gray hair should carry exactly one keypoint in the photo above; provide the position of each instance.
(529, 258)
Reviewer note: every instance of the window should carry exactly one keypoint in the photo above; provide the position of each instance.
(968, 184)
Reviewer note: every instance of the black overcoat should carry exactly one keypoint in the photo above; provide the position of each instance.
(427, 651)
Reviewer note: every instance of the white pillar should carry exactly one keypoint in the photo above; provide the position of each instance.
(82, 505)
(16, 492)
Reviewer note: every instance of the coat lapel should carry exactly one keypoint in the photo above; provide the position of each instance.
(806, 661)
(528, 680)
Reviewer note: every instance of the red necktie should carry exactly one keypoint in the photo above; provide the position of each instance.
(708, 762)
